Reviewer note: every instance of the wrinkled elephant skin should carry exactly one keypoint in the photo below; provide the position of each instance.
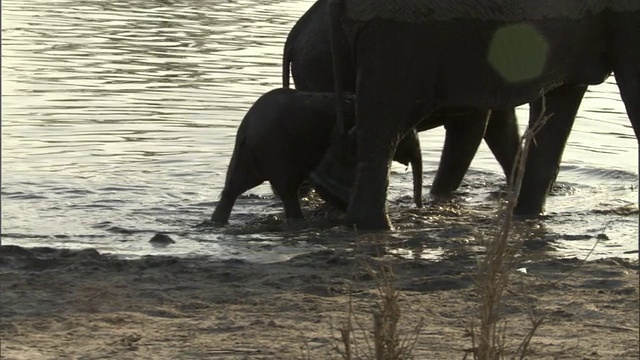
(281, 139)
(307, 56)
(480, 54)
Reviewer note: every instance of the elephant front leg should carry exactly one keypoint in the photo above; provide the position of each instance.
(416, 164)
(377, 139)
(545, 152)
(464, 134)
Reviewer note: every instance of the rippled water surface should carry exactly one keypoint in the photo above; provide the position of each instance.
(118, 121)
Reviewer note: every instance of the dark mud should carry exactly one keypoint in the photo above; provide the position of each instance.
(58, 303)
(444, 227)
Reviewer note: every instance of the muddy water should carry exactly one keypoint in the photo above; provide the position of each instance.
(118, 120)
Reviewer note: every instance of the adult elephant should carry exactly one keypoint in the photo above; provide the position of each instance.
(307, 56)
(435, 54)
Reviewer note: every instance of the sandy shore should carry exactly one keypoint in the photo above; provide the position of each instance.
(59, 303)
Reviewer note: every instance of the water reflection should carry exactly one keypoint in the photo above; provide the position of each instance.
(118, 120)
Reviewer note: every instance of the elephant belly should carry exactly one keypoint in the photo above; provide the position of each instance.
(487, 59)
(500, 65)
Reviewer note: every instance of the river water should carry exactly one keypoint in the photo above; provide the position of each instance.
(118, 121)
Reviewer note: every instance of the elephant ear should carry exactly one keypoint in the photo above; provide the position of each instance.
(333, 178)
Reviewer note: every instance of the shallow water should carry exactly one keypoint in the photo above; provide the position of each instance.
(118, 121)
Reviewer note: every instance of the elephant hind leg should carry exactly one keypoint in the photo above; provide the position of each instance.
(503, 138)
(288, 191)
(236, 184)
(463, 136)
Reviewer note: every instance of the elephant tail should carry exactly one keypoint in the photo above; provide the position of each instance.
(289, 49)
(286, 61)
(416, 170)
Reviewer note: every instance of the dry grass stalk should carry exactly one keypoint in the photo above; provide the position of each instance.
(524, 345)
(386, 317)
(349, 345)
(384, 342)
(493, 269)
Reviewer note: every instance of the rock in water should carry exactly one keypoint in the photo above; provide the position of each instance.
(161, 239)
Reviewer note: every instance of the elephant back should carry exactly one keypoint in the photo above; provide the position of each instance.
(421, 11)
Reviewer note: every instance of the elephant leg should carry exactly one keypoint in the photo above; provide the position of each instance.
(626, 63)
(630, 93)
(288, 190)
(416, 166)
(629, 85)
(236, 185)
(393, 73)
(377, 138)
(384, 105)
(627, 68)
(503, 138)
(223, 208)
(303, 191)
(545, 152)
(463, 136)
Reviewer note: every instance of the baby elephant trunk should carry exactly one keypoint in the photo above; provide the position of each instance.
(409, 152)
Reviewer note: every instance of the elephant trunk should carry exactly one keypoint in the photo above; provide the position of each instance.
(335, 19)
(416, 170)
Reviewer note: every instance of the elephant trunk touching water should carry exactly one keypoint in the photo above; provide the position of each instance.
(475, 54)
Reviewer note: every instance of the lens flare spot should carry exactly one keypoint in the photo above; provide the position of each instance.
(518, 52)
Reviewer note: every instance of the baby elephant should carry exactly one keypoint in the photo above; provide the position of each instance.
(282, 138)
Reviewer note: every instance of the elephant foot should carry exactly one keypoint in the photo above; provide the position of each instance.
(529, 209)
(293, 224)
(440, 189)
(365, 223)
(211, 224)
(531, 202)
(524, 212)
(219, 218)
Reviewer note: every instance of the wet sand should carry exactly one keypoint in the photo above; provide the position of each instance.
(59, 303)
